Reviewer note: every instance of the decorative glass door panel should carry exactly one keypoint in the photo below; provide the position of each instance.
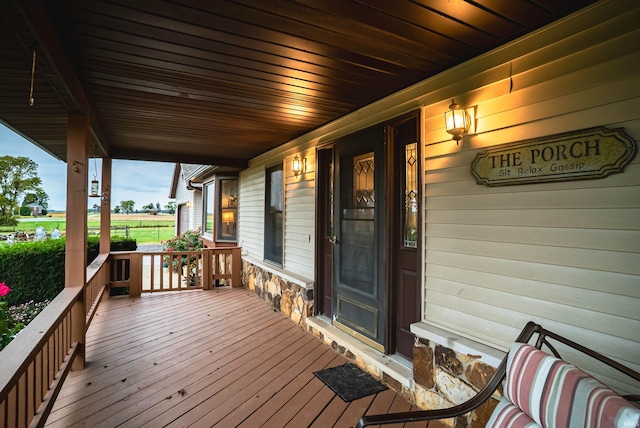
(358, 269)
(357, 226)
(410, 220)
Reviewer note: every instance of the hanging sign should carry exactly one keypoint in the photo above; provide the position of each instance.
(589, 153)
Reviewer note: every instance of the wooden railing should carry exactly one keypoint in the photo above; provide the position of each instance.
(148, 272)
(35, 364)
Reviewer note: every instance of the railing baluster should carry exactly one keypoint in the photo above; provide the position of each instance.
(36, 362)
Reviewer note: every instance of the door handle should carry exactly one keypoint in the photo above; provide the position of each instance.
(333, 239)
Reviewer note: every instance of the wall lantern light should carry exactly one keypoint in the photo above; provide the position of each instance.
(298, 165)
(457, 121)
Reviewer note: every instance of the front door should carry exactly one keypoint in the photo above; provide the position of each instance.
(359, 304)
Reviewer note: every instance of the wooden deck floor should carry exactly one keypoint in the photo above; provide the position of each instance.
(205, 358)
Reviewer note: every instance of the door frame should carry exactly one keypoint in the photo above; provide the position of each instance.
(322, 211)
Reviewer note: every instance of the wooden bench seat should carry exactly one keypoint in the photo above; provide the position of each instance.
(541, 390)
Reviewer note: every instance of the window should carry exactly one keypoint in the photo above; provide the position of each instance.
(274, 203)
(208, 209)
(228, 203)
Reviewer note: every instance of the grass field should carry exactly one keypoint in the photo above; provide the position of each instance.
(144, 228)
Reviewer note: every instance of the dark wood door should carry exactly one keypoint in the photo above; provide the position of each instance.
(360, 231)
(324, 235)
(405, 232)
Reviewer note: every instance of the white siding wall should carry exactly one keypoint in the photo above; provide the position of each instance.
(564, 254)
(299, 211)
(251, 212)
(299, 224)
(184, 195)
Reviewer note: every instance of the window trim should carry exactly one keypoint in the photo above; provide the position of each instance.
(219, 209)
(269, 233)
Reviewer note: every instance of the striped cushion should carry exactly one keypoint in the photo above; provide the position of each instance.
(507, 415)
(557, 394)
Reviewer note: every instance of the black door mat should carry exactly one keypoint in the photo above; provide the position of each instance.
(349, 382)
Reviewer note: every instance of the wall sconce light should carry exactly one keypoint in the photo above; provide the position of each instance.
(188, 204)
(298, 165)
(457, 121)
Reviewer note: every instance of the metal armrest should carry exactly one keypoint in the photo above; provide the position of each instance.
(485, 393)
(451, 412)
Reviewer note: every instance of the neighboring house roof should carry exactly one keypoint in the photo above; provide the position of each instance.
(190, 174)
(174, 181)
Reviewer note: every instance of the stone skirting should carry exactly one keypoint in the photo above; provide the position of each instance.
(440, 377)
(282, 295)
(444, 378)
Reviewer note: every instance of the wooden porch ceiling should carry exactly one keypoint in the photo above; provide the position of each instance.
(219, 82)
(205, 358)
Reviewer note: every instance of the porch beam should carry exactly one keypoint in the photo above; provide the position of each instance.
(105, 207)
(75, 263)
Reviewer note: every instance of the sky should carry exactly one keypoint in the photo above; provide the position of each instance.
(142, 182)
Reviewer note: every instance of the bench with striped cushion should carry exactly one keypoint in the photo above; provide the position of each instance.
(542, 390)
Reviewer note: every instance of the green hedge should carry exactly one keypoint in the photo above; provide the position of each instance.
(35, 270)
(120, 243)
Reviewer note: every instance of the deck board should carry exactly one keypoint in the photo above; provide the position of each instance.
(204, 358)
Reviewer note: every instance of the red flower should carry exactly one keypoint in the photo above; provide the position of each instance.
(4, 289)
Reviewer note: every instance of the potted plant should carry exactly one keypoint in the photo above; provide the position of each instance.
(188, 241)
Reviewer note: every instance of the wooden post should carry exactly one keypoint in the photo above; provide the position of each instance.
(236, 267)
(206, 269)
(105, 207)
(135, 275)
(75, 264)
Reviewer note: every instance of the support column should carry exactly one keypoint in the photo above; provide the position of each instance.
(76, 246)
(105, 207)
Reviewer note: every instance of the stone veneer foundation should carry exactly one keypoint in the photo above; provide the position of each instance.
(293, 300)
(441, 377)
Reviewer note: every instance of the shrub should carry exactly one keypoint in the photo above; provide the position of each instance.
(8, 329)
(14, 318)
(188, 241)
(36, 269)
(8, 220)
(120, 243)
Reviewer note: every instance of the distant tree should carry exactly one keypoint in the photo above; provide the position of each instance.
(158, 206)
(40, 197)
(127, 206)
(96, 207)
(171, 207)
(18, 175)
(117, 209)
